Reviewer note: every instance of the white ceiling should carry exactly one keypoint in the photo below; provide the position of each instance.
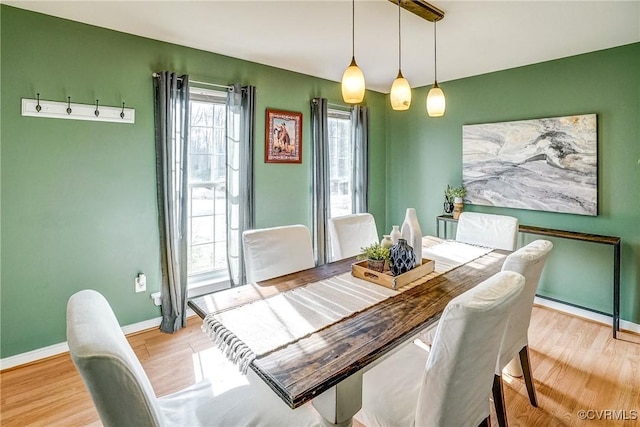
(314, 36)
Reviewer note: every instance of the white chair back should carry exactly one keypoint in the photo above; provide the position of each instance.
(459, 372)
(276, 251)
(493, 231)
(118, 385)
(528, 261)
(123, 395)
(349, 233)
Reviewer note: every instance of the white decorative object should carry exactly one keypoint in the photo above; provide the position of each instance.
(386, 241)
(412, 233)
(395, 234)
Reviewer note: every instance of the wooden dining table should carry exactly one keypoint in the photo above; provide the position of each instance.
(327, 365)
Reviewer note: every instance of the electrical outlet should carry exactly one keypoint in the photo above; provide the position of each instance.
(141, 283)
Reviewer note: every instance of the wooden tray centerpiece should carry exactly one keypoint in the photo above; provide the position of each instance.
(360, 270)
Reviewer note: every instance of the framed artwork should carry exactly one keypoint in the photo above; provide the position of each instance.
(548, 164)
(283, 137)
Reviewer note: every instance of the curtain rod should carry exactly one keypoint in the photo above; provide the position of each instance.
(201, 83)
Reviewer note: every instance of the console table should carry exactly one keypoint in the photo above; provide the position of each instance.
(574, 235)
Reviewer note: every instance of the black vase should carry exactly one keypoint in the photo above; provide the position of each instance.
(448, 207)
(401, 258)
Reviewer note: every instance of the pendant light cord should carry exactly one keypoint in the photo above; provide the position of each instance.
(435, 53)
(399, 38)
(353, 28)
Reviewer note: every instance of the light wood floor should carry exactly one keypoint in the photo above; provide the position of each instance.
(576, 365)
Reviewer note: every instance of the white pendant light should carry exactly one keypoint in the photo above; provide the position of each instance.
(436, 104)
(400, 95)
(353, 79)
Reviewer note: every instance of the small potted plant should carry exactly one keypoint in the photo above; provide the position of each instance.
(376, 256)
(458, 202)
(456, 193)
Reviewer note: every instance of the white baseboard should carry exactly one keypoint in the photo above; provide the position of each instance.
(586, 314)
(141, 326)
(32, 356)
(55, 349)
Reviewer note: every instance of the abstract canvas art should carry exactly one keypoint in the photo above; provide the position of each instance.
(546, 164)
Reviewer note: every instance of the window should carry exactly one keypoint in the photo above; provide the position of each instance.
(340, 163)
(340, 143)
(207, 246)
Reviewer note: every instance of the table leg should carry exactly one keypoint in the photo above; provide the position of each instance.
(616, 290)
(444, 225)
(341, 402)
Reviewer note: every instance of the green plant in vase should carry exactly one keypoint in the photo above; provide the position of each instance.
(457, 195)
(448, 200)
(376, 255)
(456, 192)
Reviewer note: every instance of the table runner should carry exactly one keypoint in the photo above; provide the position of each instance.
(258, 328)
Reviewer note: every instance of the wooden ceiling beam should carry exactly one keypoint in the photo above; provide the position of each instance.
(421, 8)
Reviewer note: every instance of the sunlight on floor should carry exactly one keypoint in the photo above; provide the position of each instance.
(507, 378)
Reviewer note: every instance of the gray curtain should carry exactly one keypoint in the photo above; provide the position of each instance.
(171, 94)
(240, 196)
(321, 184)
(360, 136)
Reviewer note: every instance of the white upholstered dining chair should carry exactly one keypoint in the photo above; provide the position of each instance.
(276, 251)
(493, 231)
(528, 261)
(451, 384)
(123, 394)
(349, 233)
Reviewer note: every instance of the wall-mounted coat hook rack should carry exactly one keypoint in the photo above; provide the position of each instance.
(68, 110)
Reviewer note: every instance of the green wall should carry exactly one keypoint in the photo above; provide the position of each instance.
(78, 197)
(424, 155)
